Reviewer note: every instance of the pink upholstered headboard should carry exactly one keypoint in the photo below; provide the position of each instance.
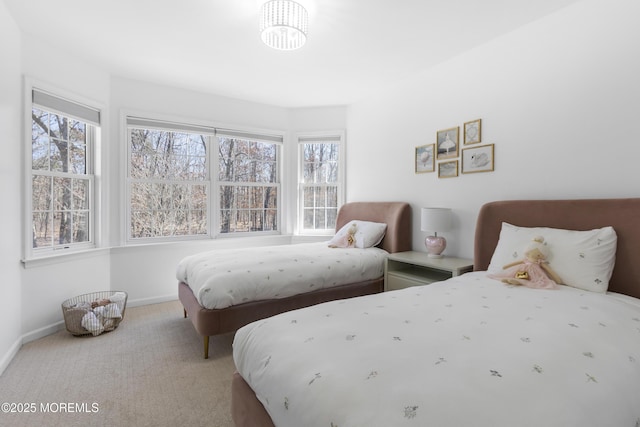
(585, 214)
(397, 216)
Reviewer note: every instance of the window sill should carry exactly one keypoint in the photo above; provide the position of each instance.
(63, 257)
(310, 238)
(203, 244)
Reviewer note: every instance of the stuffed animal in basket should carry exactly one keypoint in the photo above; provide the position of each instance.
(96, 316)
(533, 271)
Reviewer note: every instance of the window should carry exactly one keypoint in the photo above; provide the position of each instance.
(173, 172)
(168, 181)
(320, 181)
(248, 183)
(63, 134)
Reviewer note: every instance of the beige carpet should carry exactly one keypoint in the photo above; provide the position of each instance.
(150, 371)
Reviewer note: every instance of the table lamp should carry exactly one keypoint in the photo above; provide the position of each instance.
(435, 219)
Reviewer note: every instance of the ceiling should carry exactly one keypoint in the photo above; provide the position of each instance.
(354, 47)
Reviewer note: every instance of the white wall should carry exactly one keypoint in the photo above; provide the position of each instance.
(317, 119)
(10, 190)
(558, 98)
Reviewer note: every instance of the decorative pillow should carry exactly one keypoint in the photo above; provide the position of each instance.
(582, 259)
(367, 234)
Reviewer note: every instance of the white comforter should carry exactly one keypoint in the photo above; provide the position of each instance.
(223, 278)
(470, 351)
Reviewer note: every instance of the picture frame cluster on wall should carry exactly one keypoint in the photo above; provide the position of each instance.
(447, 153)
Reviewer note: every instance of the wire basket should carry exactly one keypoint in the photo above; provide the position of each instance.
(99, 311)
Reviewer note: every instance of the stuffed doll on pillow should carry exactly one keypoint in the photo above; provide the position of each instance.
(533, 271)
(347, 240)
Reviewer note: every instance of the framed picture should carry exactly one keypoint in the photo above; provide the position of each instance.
(448, 169)
(478, 159)
(425, 158)
(447, 141)
(473, 132)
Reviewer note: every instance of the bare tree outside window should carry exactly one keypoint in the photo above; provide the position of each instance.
(61, 180)
(248, 185)
(170, 184)
(320, 181)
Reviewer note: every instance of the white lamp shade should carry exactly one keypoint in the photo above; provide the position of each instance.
(435, 219)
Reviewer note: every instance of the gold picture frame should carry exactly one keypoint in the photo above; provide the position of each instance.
(448, 142)
(473, 132)
(478, 159)
(425, 158)
(448, 169)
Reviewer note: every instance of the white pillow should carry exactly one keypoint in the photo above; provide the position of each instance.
(582, 259)
(367, 235)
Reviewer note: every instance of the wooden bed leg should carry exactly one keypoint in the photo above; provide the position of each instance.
(206, 347)
(185, 312)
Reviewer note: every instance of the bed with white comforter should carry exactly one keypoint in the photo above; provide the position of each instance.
(223, 278)
(420, 356)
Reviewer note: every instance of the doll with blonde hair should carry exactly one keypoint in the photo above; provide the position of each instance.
(533, 271)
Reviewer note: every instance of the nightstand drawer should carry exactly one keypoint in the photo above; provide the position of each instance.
(395, 282)
(414, 277)
(406, 269)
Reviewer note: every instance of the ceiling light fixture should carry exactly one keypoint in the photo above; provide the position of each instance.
(283, 24)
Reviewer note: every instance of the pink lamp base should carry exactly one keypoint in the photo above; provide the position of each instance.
(435, 245)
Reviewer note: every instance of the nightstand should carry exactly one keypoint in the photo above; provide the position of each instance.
(405, 269)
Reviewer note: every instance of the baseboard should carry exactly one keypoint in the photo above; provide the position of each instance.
(147, 301)
(8, 357)
(42, 332)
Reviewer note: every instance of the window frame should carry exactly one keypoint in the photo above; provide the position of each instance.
(338, 137)
(213, 183)
(72, 106)
(280, 210)
(170, 126)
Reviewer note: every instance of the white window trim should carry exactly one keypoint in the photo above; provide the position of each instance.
(300, 230)
(214, 204)
(95, 158)
(126, 195)
(279, 185)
